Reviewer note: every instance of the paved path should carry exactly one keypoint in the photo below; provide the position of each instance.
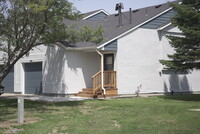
(44, 98)
(67, 98)
(56, 99)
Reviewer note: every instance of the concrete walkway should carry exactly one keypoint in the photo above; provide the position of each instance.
(67, 98)
(43, 98)
(56, 99)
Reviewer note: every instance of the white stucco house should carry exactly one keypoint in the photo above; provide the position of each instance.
(129, 58)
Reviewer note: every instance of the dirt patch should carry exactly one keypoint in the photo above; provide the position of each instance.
(56, 130)
(63, 128)
(100, 108)
(116, 124)
(87, 109)
(161, 120)
(58, 113)
(197, 110)
(166, 121)
(66, 117)
(13, 131)
(8, 125)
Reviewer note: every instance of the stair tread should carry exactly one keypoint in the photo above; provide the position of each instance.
(87, 89)
(88, 92)
(84, 95)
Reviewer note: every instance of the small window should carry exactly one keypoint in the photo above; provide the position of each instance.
(108, 62)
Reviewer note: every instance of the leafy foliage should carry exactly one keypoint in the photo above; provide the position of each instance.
(187, 47)
(25, 24)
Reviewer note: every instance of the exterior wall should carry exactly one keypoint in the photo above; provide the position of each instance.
(179, 82)
(138, 64)
(36, 55)
(64, 72)
(67, 72)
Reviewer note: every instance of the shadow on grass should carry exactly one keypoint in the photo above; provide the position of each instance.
(185, 97)
(60, 104)
(49, 106)
(9, 106)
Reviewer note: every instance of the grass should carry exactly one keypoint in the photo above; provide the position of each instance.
(154, 115)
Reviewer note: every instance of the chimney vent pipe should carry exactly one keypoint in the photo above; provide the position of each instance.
(119, 8)
(130, 13)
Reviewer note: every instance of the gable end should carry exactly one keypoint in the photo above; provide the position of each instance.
(159, 21)
(112, 46)
(98, 16)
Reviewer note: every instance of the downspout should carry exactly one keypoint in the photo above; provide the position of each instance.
(102, 69)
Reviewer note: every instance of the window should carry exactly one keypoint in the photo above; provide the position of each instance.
(108, 62)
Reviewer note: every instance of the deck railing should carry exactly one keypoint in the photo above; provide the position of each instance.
(96, 81)
(110, 80)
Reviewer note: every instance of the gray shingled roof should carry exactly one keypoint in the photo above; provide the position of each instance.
(111, 24)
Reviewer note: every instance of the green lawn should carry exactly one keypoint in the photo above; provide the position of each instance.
(153, 115)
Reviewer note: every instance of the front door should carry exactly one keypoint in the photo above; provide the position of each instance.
(108, 62)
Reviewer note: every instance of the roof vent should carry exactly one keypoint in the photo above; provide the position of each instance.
(158, 6)
(134, 11)
(146, 12)
(119, 8)
(130, 14)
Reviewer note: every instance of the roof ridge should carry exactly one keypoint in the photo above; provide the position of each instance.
(142, 8)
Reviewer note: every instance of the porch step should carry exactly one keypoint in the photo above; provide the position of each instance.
(111, 92)
(88, 95)
(88, 92)
(87, 89)
(84, 95)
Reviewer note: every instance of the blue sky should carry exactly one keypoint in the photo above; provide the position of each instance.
(109, 5)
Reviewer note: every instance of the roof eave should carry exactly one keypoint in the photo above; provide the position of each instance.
(93, 48)
(163, 27)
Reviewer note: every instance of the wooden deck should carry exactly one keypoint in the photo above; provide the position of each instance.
(110, 85)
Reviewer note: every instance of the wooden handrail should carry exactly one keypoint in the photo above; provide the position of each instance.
(96, 74)
(96, 79)
(110, 80)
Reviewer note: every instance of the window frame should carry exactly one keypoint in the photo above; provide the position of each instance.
(105, 59)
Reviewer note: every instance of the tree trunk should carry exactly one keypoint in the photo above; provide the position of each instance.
(8, 67)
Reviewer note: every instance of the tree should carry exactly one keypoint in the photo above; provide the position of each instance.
(25, 24)
(186, 47)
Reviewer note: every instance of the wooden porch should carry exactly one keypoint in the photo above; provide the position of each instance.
(109, 84)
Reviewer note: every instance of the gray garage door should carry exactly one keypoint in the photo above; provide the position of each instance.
(8, 82)
(33, 78)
